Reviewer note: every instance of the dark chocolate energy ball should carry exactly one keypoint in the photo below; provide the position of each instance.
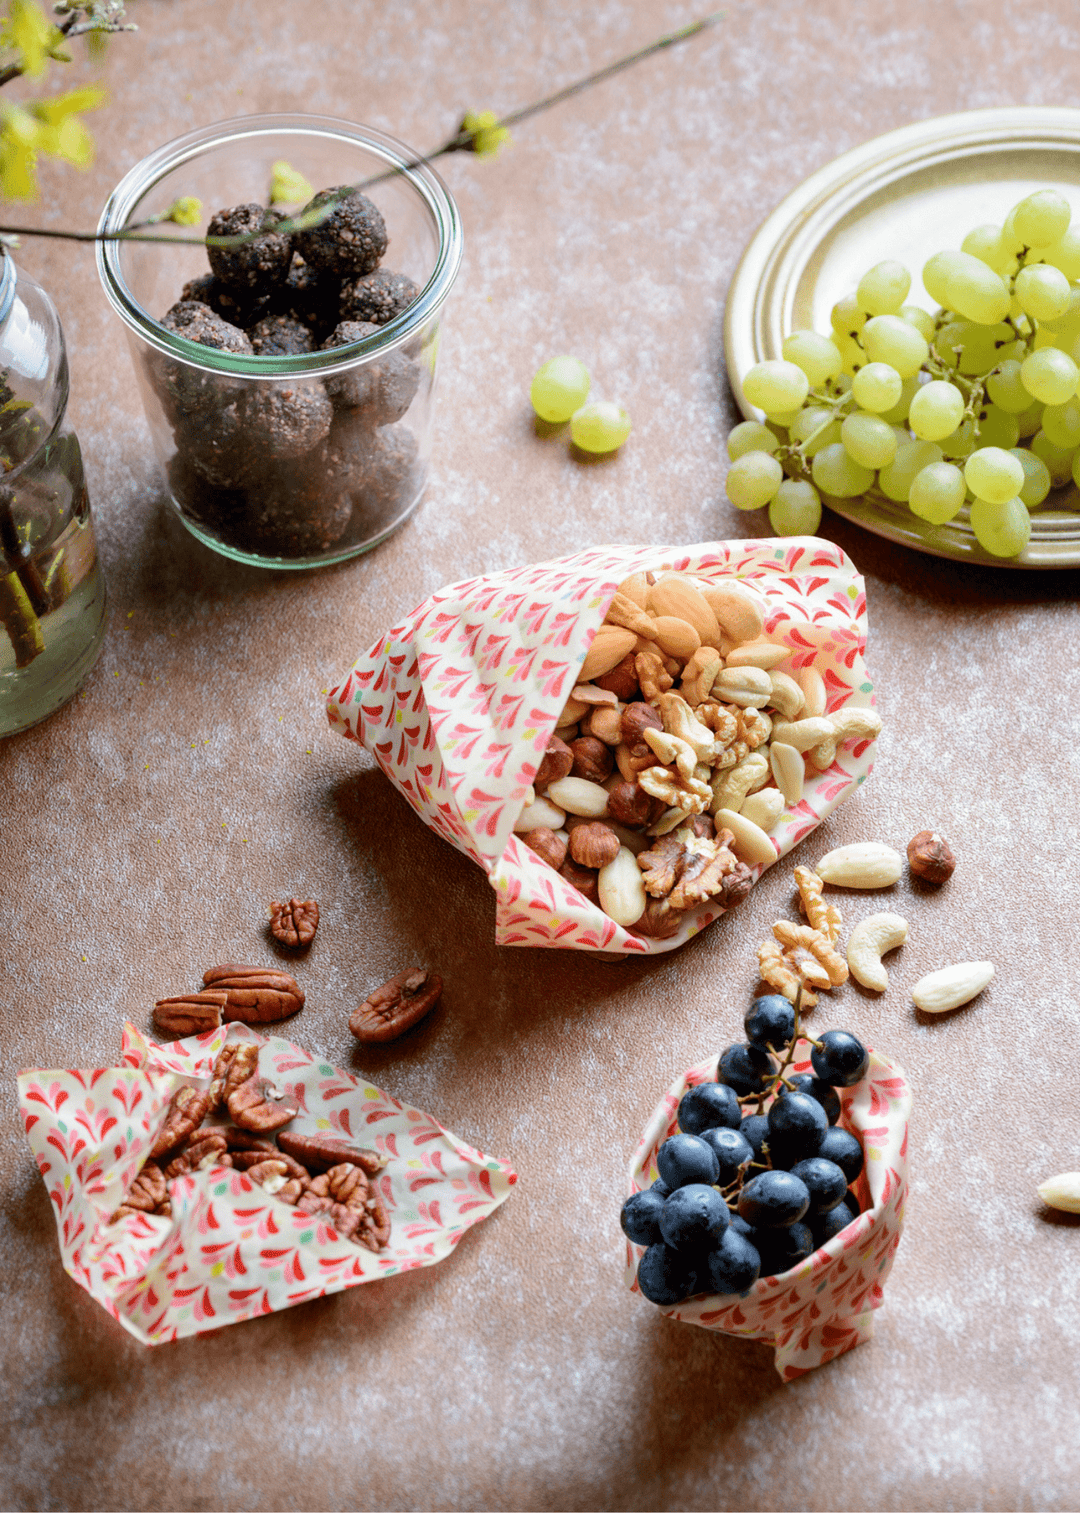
(350, 241)
(382, 388)
(377, 297)
(199, 323)
(260, 265)
(281, 336)
(287, 422)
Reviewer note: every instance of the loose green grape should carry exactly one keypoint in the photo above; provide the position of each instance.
(838, 474)
(1005, 388)
(963, 283)
(601, 427)
(993, 474)
(1036, 484)
(877, 387)
(777, 387)
(936, 410)
(1062, 423)
(1002, 529)
(795, 508)
(1050, 376)
(961, 442)
(1043, 292)
(1059, 460)
(883, 288)
(817, 356)
(900, 410)
(868, 440)
(921, 319)
(753, 479)
(560, 387)
(937, 492)
(1065, 254)
(890, 339)
(984, 242)
(1042, 218)
(997, 428)
(814, 428)
(897, 478)
(750, 436)
(1030, 420)
(846, 316)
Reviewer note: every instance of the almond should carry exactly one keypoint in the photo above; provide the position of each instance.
(677, 596)
(739, 612)
(952, 986)
(1062, 1192)
(676, 637)
(636, 587)
(610, 644)
(866, 864)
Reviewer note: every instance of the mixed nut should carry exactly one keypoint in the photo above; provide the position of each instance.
(680, 747)
(316, 1174)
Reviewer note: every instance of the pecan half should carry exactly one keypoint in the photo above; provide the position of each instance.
(294, 924)
(244, 1160)
(258, 1105)
(271, 1174)
(349, 1185)
(148, 1191)
(187, 1110)
(190, 1014)
(205, 1148)
(396, 1006)
(329, 1150)
(236, 1062)
(243, 1140)
(255, 995)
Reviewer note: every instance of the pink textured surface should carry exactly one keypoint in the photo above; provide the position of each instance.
(146, 826)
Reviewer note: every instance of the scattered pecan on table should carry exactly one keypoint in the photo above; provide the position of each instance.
(396, 1006)
(294, 924)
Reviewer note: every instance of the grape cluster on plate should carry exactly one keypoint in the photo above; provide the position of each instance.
(746, 1195)
(973, 406)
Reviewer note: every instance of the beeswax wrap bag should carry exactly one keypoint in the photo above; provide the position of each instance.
(459, 700)
(825, 1305)
(230, 1251)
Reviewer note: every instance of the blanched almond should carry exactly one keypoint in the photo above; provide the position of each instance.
(636, 587)
(751, 843)
(952, 986)
(866, 864)
(764, 654)
(1062, 1192)
(622, 891)
(788, 770)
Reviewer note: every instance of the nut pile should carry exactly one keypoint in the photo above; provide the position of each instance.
(678, 751)
(303, 466)
(316, 1174)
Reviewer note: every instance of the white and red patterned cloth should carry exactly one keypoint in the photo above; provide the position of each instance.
(459, 700)
(230, 1251)
(824, 1306)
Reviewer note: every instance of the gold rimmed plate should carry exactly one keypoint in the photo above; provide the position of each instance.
(905, 195)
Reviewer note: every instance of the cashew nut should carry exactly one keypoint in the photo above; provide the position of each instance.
(730, 788)
(786, 695)
(867, 944)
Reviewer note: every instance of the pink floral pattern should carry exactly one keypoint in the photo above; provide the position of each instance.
(825, 1305)
(458, 701)
(230, 1252)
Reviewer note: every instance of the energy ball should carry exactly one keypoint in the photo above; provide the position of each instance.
(199, 323)
(300, 507)
(287, 422)
(310, 297)
(259, 265)
(215, 444)
(281, 336)
(389, 485)
(377, 297)
(350, 241)
(237, 306)
(183, 389)
(381, 388)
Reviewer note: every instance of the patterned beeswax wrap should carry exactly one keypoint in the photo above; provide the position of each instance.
(824, 1306)
(231, 1251)
(459, 700)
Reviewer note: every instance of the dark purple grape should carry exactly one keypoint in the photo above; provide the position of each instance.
(825, 1183)
(841, 1146)
(740, 1226)
(841, 1059)
(755, 1127)
(640, 1217)
(693, 1218)
(734, 1264)
(783, 1248)
(826, 1225)
(770, 1022)
(686, 1158)
(661, 1187)
(773, 1198)
(732, 1151)
(665, 1277)
(712, 1105)
(828, 1097)
(745, 1068)
(797, 1126)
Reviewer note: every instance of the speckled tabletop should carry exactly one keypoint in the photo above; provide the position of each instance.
(146, 826)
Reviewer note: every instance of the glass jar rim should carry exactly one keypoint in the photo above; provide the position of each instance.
(398, 158)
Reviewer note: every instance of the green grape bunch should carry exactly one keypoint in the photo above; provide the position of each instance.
(975, 405)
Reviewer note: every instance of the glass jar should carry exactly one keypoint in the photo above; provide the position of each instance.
(292, 460)
(52, 593)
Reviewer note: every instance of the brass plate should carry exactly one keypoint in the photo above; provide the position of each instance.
(905, 195)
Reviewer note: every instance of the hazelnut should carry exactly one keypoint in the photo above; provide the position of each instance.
(592, 759)
(701, 825)
(605, 724)
(636, 719)
(629, 804)
(594, 844)
(622, 680)
(930, 857)
(555, 763)
(583, 879)
(549, 845)
(660, 921)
